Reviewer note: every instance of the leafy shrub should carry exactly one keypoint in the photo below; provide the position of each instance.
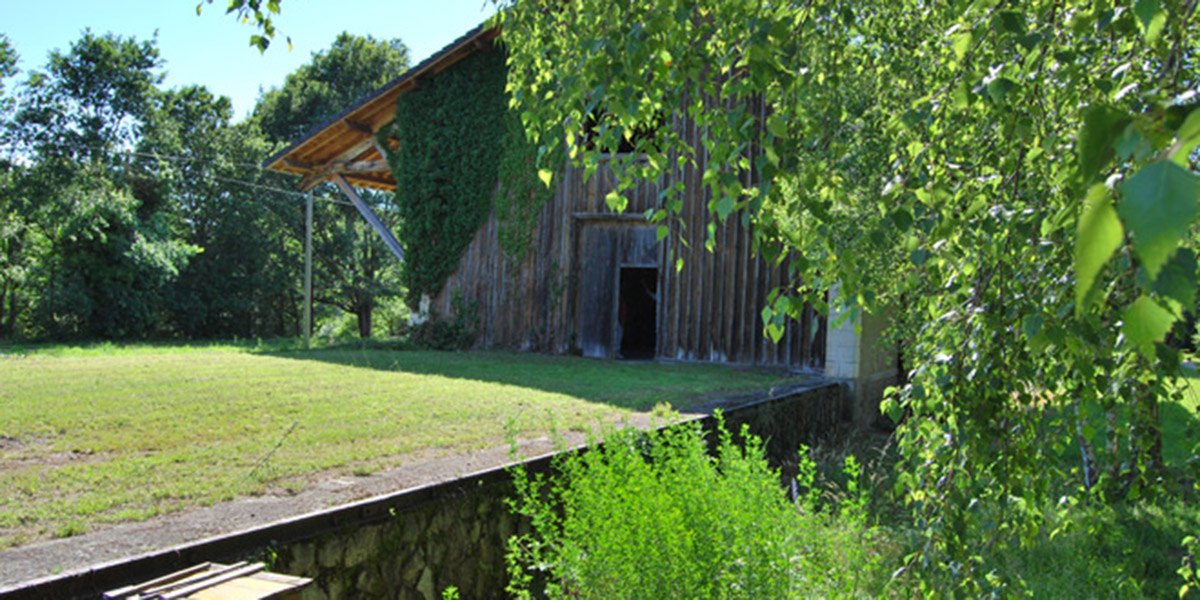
(443, 334)
(1187, 568)
(393, 315)
(455, 333)
(653, 515)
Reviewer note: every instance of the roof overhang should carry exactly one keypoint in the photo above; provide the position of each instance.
(349, 144)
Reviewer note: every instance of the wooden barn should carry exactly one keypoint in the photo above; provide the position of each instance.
(596, 282)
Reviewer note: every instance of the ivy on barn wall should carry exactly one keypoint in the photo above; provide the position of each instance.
(458, 140)
(522, 193)
(450, 129)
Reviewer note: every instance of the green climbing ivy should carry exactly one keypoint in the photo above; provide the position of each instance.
(451, 131)
(458, 141)
(521, 194)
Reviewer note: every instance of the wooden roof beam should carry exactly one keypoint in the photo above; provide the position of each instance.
(365, 209)
(371, 181)
(359, 127)
(316, 176)
(369, 166)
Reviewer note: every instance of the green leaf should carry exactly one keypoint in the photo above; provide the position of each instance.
(901, 218)
(776, 126)
(661, 233)
(616, 201)
(962, 96)
(1011, 21)
(1146, 323)
(1131, 144)
(1188, 136)
(776, 332)
(1158, 206)
(1150, 19)
(1098, 236)
(1145, 11)
(545, 175)
(999, 89)
(1033, 325)
(724, 207)
(919, 256)
(1178, 279)
(1101, 127)
(962, 43)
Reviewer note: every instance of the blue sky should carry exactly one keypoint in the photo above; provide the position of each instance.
(213, 49)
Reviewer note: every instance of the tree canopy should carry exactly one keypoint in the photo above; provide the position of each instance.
(1016, 184)
(133, 211)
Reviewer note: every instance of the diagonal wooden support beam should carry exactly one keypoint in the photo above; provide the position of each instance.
(365, 210)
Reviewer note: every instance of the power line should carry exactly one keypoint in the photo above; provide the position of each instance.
(176, 158)
(135, 153)
(267, 188)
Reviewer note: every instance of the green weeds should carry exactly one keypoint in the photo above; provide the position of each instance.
(653, 515)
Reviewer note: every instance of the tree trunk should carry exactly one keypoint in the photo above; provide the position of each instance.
(5, 324)
(363, 311)
(14, 310)
(1146, 434)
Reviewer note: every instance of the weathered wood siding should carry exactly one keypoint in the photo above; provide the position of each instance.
(554, 301)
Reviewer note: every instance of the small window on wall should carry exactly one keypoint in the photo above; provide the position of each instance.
(628, 141)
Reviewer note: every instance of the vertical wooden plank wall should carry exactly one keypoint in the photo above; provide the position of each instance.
(710, 310)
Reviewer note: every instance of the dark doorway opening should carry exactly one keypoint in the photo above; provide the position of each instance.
(637, 312)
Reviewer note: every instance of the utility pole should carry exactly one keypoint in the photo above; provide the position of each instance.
(308, 297)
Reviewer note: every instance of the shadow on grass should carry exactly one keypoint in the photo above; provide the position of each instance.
(631, 385)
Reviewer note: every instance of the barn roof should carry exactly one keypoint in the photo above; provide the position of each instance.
(347, 144)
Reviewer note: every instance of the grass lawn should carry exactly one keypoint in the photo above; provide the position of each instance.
(106, 434)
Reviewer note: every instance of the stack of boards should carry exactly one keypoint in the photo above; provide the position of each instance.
(212, 581)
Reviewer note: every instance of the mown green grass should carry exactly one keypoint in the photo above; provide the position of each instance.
(111, 433)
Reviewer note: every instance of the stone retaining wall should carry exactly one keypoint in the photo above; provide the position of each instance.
(459, 541)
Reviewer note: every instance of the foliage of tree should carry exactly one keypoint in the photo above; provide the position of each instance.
(354, 267)
(1017, 183)
(246, 280)
(8, 68)
(261, 12)
(132, 211)
(91, 100)
(11, 226)
(129, 211)
(105, 249)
